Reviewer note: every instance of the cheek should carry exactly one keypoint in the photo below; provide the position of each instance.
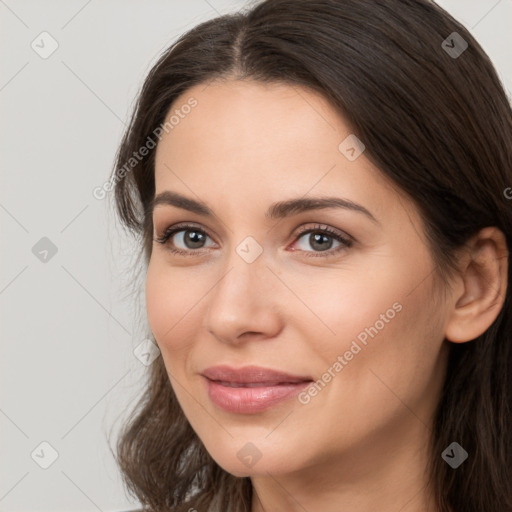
(383, 322)
(159, 305)
(355, 306)
(172, 304)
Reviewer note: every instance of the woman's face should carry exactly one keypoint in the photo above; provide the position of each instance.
(358, 317)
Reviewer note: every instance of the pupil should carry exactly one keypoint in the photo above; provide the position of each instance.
(194, 238)
(320, 238)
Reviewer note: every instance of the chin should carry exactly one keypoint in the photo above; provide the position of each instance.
(243, 466)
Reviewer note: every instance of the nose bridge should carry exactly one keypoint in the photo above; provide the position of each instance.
(242, 298)
(244, 277)
(245, 263)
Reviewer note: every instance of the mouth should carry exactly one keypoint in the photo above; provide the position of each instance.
(251, 390)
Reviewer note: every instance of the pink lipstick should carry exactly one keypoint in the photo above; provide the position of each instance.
(251, 389)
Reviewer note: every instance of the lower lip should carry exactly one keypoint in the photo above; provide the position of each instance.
(251, 400)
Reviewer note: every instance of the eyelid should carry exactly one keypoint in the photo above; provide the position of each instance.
(325, 228)
(342, 237)
(172, 230)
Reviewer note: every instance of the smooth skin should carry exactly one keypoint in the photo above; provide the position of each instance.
(361, 443)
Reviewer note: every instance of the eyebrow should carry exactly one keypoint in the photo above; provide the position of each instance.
(277, 210)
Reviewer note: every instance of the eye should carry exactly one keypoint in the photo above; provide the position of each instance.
(192, 239)
(321, 239)
(189, 237)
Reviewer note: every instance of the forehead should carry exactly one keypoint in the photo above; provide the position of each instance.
(253, 119)
(262, 142)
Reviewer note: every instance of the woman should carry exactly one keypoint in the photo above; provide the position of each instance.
(321, 191)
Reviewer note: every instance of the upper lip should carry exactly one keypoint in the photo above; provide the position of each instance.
(251, 374)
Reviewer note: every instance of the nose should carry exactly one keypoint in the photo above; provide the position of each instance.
(244, 304)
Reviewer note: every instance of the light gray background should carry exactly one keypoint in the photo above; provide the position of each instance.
(68, 325)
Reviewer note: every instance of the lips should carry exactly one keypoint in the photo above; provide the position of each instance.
(251, 376)
(251, 389)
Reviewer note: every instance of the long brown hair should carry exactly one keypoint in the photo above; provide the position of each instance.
(435, 118)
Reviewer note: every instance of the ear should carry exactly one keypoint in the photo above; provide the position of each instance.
(480, 287)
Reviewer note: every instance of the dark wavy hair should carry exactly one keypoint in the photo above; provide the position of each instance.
(437, 124)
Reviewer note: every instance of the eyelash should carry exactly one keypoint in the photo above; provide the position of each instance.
(345, 241)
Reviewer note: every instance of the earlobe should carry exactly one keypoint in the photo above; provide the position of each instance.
(482, 286)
